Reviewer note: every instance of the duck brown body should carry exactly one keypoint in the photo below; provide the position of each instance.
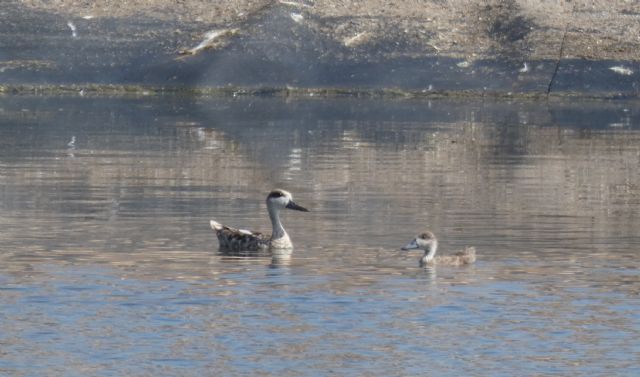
(233, 239)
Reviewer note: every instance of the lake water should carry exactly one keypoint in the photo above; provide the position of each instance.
(108, 266)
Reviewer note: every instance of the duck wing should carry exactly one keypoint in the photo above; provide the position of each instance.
(238, 239)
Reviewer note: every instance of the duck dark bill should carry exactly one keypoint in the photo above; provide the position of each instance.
(410, 246)
(293, 205)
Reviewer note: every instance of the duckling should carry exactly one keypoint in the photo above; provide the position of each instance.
(428, 242)
(232, 239)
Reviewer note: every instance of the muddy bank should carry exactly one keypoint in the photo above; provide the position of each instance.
(438, 47)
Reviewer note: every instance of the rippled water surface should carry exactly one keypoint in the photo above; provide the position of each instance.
(108, 266)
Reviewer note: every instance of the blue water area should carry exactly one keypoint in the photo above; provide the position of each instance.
(108, 266)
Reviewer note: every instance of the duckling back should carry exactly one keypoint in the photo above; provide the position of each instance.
(466, 256)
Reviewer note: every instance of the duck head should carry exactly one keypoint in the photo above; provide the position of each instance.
(282, 199)
(426, 241)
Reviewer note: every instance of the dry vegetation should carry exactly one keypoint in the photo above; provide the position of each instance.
(517, 29)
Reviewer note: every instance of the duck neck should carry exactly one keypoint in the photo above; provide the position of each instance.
(429, 253)
(277, 228)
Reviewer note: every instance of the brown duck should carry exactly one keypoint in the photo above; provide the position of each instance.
(232, 239)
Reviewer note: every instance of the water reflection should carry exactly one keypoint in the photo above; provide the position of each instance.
(108, 262)
(274, 258)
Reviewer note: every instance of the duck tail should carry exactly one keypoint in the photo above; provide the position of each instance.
(215, 225)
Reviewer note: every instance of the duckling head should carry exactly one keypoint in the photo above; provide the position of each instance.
(426, 241)
(281, 199)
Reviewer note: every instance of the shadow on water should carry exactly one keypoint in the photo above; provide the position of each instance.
(108, 262)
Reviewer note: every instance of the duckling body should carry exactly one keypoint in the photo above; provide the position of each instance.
(232, 239)
(428, 242)
(459, 258)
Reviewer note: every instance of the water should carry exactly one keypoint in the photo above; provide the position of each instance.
(108, 266)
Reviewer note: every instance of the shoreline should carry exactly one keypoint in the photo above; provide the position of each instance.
(488, 49)
(112, 90)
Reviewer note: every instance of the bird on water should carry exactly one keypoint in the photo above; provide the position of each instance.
(428, 242)
(232, 239)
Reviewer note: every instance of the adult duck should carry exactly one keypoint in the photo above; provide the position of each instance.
(232, 239)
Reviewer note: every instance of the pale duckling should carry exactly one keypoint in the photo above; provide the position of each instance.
(231, 239)
(428, 242)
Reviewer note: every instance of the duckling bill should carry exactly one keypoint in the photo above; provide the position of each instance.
(232, 239)
(428, 242)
